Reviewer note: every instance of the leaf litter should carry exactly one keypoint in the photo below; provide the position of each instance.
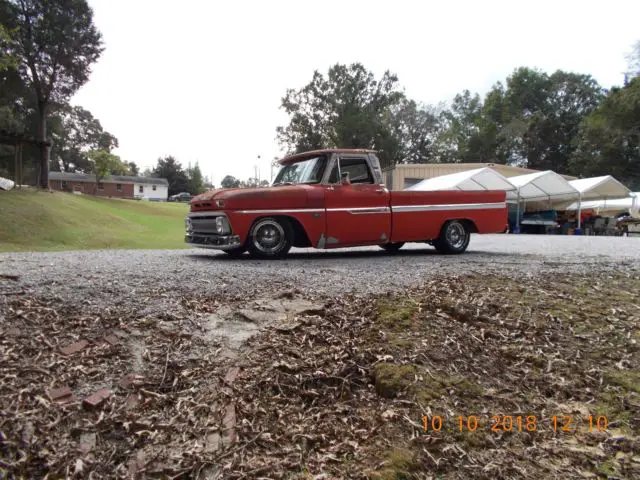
(341, 390)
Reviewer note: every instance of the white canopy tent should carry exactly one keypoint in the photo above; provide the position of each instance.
(630, 204)
(600, 188)
(477, 179)
(545, 185)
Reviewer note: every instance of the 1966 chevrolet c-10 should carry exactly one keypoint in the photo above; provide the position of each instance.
(334, 199)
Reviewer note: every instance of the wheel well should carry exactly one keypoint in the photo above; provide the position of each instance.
(469, 224)
(300, 237)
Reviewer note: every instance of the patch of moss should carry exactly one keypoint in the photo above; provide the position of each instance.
(435, 387)
(629, 379)
(608, 468)
(390, 378)
(400, 465)
(396, 313)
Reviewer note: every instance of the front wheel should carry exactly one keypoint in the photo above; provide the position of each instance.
(392, 247)
(454, 237)
(270, 238)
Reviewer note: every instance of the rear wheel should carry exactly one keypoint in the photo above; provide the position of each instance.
(454, 237)
(392, 247)
(270, 238)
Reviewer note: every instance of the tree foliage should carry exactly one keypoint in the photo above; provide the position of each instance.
(55, 43)
(609, 140)
(76, 133)
(230, 181)
(347, 108)
(170, 169)
(196, 180)
(104, 163)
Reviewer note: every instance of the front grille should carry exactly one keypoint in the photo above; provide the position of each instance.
(205, 225)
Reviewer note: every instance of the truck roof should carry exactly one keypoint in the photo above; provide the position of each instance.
(314, 153)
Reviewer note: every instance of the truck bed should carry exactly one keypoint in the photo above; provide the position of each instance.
(417, 216)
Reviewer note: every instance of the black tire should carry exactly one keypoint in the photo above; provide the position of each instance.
(454, 237)
(392, 247)
(235, 252)
(270, 238)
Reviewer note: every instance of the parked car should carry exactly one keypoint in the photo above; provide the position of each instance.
(335, 199)
(180, 197)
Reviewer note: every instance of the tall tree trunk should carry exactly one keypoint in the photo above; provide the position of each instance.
(44, 149)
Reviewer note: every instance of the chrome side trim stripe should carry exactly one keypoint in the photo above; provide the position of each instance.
(288, 210)
(208, 213)
(361, 210)
(454, 206)
(365, 210)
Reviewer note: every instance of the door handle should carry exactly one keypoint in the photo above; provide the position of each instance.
(381, 190)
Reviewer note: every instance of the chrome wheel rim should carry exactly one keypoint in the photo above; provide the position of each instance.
(268, 236)
(456, 235)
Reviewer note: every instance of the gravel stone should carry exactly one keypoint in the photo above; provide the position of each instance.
(150, 279)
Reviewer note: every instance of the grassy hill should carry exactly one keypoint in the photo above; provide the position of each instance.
(40, 221)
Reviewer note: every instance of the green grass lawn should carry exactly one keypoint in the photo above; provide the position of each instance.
(42, 221)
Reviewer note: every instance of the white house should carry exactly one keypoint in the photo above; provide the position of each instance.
(151, 189)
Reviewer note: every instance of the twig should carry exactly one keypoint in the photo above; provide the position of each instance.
(166, 363)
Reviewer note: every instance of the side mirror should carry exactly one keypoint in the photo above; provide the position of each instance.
(344, 180)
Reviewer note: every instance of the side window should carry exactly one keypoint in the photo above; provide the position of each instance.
(358, 170)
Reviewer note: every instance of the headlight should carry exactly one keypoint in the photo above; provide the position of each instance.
(187, 224)
(222, 226)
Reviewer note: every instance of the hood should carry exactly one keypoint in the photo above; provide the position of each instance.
(283, 197)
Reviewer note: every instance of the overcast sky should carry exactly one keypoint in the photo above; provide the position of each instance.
(202, 80)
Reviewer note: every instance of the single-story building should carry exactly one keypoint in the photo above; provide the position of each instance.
(119, 186)
(404, 175)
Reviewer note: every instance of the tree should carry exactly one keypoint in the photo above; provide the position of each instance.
(78, 133)
(196, 181)
(461, 138)
(230, 182)
(170, 169)
(609, 140)
(55, 43)
(347, 108)
(413, 132)
(634, 63)
(132, 169)
(534, 121)
(104, 163)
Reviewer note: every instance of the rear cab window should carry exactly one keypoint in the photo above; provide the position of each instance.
(358, 168)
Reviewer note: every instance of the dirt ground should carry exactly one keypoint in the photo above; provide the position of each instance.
(535, 378)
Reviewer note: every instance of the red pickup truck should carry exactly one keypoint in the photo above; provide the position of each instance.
(335, 199)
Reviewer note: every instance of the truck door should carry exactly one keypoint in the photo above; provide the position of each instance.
(357, 213)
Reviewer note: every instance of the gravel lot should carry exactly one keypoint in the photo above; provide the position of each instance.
(125, 276)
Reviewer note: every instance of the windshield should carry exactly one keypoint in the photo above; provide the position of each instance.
(307, 171)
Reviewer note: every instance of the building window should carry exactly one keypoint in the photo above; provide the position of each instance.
(154, 188)
(118, 187)
(101, 186)
(64, 184)
(140, 188)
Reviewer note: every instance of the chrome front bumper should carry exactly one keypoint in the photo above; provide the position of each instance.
(219, 242)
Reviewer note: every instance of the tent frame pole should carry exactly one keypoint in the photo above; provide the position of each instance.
(518, 213)
(579, 210)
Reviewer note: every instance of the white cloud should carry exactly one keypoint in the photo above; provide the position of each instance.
(203, 80)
